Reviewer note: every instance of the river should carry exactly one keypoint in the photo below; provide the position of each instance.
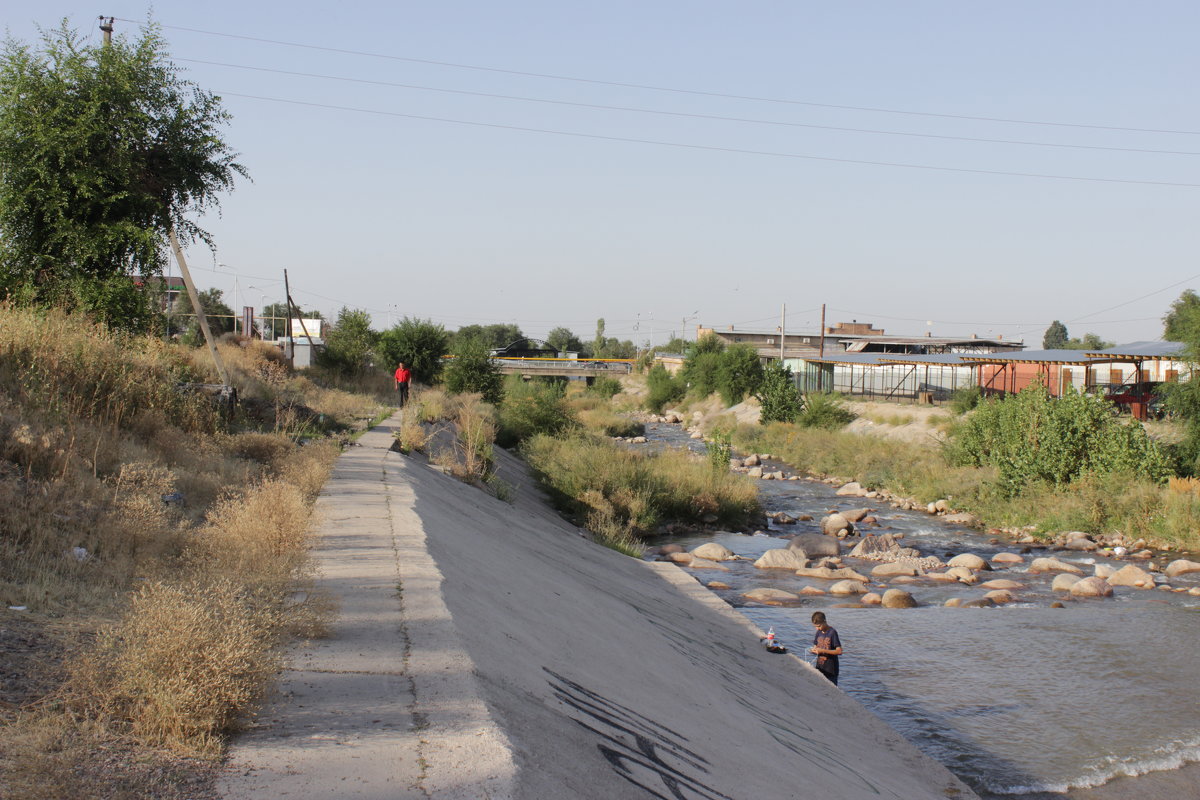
(1017, 700)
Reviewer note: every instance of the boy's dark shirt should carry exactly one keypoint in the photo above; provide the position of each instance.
(827, 640)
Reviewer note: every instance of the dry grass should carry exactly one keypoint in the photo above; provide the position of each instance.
(632, 492)
(177, 549)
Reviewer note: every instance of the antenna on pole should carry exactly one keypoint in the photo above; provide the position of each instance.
(106, 25)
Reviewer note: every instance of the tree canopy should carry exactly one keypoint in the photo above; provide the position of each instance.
(1182, 321)
(350, 343)
(1056, 336)
(103, 150)
(419, 343)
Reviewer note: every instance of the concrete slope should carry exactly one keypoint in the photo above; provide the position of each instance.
(616, 678)
(520, 660)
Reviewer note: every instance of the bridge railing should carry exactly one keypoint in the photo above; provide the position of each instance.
(559, 365)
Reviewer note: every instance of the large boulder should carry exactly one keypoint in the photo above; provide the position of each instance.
(870, 599)
(1053, 565)
(1181, 566)
(963, 575)
(978, 602)
(962, 518)
(1078, 540)
(771, 597)
(713, 552)
(856, 514)
(970, 561)
(1000, 596)
(814, 545)
(1103, 570)
(834, 524)
(882, 548)
(1001, 583)
(1064, 581)
(830, 574)
(751, 460)
(852, 489)
(782, 558)
(811, 590)
(1091, 587)
(893, 569)
(1007, 559)
(1131, 575)
(680, 558)
(898, 598)
(704, 563)
(848, 587)
(754, 472)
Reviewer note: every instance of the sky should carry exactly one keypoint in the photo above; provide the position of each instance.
(662, 165)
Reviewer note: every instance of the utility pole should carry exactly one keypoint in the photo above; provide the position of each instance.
(106, 25)
(782, 329)
(821, 352)
(203, 320)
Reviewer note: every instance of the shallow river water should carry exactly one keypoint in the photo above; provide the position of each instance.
(1015, 700)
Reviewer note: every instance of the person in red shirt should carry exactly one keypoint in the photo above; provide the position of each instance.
(403, 377)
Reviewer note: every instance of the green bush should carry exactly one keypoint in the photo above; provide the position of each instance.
(530, 408)
(965, 399)
(663, 389)
(780, 400)
(472, 370)
(720, 450)
(1031, 437)
(740, 373)
(699, 372)
(824, 410)
(605, 387)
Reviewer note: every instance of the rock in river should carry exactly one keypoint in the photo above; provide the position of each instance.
(834, 524)
(782, 558)
(1091, 587)
(1064, 582)
(970, 561)
(713, 552)
(1181, 566)
(898, 598)
(848, 587)
(1053, 565)
(771, 597)
(814, 545)
(1130, 575)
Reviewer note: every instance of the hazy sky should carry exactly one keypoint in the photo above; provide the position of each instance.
(648, 219)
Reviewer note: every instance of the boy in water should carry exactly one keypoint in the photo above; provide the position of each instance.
(827, 646)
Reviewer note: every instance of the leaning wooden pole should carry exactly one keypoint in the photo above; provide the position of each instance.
(191, 290)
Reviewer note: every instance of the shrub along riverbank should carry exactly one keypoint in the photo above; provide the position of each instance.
(1123, 493)
(150, 548)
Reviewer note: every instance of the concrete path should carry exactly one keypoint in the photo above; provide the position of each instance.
(521, 660)
(386, 706)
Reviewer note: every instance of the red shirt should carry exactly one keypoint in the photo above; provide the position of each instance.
(403, 374)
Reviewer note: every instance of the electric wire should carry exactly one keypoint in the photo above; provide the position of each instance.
(717, 148)
(675, 90)
(685, 114)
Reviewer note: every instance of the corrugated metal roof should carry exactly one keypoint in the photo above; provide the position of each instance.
(940, 359)
(1034, 357)
(1139, 350)
(865, 359)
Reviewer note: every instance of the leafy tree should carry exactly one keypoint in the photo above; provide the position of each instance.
(419, 343)
(739, 374)
(675, 345)
(185, 324)
(349, 343)
(699, 372)
(1182, 322)
(708, 343)
(473, 370)
(781, 401)
(1055, 337)
(562, 340)
(500, 335)
(1090, 341)
(103, 150)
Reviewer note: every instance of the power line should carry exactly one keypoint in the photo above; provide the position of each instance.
(674, 90)
(685, 114)
(715, 148)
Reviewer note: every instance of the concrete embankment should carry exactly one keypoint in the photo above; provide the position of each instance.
(520, 660)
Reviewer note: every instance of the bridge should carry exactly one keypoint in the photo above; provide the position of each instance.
(564, 367)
